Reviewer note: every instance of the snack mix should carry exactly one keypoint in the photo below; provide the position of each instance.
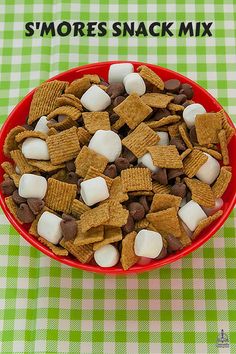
(125, 171)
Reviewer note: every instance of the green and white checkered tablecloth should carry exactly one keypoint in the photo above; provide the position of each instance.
(46, 307)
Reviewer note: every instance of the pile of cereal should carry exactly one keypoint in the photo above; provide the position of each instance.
(119, 171)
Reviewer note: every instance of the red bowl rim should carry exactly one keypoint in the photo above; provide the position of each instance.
(119, 271)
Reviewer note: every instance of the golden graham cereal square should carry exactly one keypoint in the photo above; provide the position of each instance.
(201, 192)
(118, 215)
(88, 158)
(160, 188)
(94, 121)
(185, 136)
(94, 172)
(141, 138)
(164, 201)
(78, 208)
(71, 112)
(21, 162)
(95, 234)
(58, 250)
(84, 253)
(223, 145)
(157, 124)
(165, 221)
(136, 179)
(84, 136)
(78, 87)
(111, 235)
(60, 195)
(151, 76)
(10, 142)
(95, 217)
(193, 162)
(206, 222)
(68, 100)
(116, 191)
(132, 110)
(128, 257)
(165, 156)
(208, 126)
(63, 146)
(156, 100)
(222, 182)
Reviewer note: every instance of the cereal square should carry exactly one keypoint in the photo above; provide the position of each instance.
(206, 222)
(84, 136)
(141, 138)
(84, 253)
(164, 201)
(63, 146)
(117, 214)
(111, 235)
(94, 121)
(68, 100)
(58, 250)
(95, 217)
(194, 160)
(156, 100)
(185, 136)
(78, 87)
(78, 208)
(43, 101)
(230, 131)
(116, 191)
(223, 146)
(157, 124)
(94, 172)
(165, 156)
(165, 221)
(222, 182)
(136, 179)
(72, 112)
(45, 166)
(201, 192)
(10, 142)
(132, 110)
(208, 126)
(88, 158)
(95, 234)
(151, 76)
(160, 188)
(21, 162)
(128, 257)
(60, 195)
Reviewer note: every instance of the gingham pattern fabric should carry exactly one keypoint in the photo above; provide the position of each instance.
(46, 307)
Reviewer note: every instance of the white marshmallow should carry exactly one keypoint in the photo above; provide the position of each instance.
(134, 83)
(94, 190)
(146, 160)
(117, 72)
(191, 214)
(218, 205)
(49, 227)
(35, 148)
(32, 186)
(106, 143)
(41, 125)
(95, 99)
(190, 112)
(148, 244)
(164, 138)
(17, 170)
(209, 171)
(106, 256)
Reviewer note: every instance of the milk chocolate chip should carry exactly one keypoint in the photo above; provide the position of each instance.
(69, 229)
(129, 226)
(35, 204)
(115, 89)
(136, 210)
(172, 85)
(17, 198)
(111, 171)
(179, 189)
(144, 202)
(7, 186)
(178, 142)
(160, 176)
(25, 214)
(122, 163)
(187, 90)
(174, 243)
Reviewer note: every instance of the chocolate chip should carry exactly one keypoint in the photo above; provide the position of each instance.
(118, 100)
(172, 85)
(69, 229)
(7, 186)
(72, 178)
(179, 99)
(174, 243)
(28, 127)
(163, 253)
(129, 155)
(113, 118)
(174, 172)
(25, 214)
(67, 217)
(129, 226)
(61, 118)
(144, 202)
(188, 197)
(178, 142)
(115, 89)
(160, 113)
(17, 198)
(110, 171)
(122, 163)
(80, 180)
(70, 165)
(136, 210)
(187, 90)
(103, 83)
(193, 135)
(160, 176)
(35, 204)
(186, 104)
(179, 189)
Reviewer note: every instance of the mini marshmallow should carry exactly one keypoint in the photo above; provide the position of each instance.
(35, 148)
(218, 205)
(94, 190)
(106, 256)
(146, 160)
(191, 214)
(117, 72)
(190, 112)
(148, 244)
(49, 227)
(134, 83)
(164, 138)
(41, 125)
(106, 143)
(95, 99)
(209, 171)
(32, 186)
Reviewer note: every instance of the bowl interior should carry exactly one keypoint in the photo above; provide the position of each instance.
(18, 117)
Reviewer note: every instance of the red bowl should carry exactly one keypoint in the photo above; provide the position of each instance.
(18, 116)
